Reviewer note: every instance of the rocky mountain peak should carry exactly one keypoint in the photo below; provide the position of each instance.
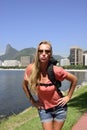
(10, 50)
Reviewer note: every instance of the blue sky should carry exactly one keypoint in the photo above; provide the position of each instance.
(25, 23)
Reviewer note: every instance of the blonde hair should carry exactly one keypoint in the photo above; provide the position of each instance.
(35, 74)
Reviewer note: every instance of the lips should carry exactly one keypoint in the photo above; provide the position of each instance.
(43, 58)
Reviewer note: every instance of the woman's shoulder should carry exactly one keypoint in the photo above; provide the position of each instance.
(58, 70)
(29, 67)
(28, 71)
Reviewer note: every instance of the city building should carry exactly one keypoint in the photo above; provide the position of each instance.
(65, 62)
(11, 63)
(0, 63)
(25, 60)
(85, 58)
(76, 56)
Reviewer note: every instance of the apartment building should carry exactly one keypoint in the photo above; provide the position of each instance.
(65, 62)
(11, 63)
(85, 58)
(0, 63)
(25, 60)
(76, 56)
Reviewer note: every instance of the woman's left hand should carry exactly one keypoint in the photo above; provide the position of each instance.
(62, 101)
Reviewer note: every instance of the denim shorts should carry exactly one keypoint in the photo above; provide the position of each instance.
(58, 113)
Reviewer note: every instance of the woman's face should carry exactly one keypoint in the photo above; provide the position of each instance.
(44, 53)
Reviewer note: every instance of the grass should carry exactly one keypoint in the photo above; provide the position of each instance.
(29, 119)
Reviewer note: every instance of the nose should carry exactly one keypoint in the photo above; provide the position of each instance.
(44, 52)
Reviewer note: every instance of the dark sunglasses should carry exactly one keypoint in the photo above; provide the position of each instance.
(46, 51)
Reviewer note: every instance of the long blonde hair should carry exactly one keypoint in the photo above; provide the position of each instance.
(35, 73)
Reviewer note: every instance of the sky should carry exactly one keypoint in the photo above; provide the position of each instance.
(25, 23)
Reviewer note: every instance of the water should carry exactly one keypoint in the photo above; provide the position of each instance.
(12, 96)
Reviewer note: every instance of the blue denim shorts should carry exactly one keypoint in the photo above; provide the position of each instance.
(57, 113)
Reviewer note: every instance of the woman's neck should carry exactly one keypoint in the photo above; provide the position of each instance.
(44, 68)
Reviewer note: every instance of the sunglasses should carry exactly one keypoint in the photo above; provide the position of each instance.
(46, 51)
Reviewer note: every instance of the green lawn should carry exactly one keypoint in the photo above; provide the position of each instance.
(29, 119)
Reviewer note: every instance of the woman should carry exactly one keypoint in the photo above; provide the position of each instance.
(52, 107)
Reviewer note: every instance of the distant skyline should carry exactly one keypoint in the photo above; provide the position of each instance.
(25, 23)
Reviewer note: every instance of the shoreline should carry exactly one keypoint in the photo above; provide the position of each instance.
(12, 69)
(83, 70)
(75, 70)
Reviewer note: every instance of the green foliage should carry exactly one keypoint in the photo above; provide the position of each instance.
(78, 67)
(12, 67)
(76, 107)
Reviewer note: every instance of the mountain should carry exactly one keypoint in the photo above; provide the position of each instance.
(25, 52)
(58, 57)
(10, 50)
(13, 54)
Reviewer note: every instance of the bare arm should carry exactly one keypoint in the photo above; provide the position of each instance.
(27, 91)
(73, 79)
(29, 95)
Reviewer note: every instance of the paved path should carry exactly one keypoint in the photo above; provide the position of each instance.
(81, 124)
